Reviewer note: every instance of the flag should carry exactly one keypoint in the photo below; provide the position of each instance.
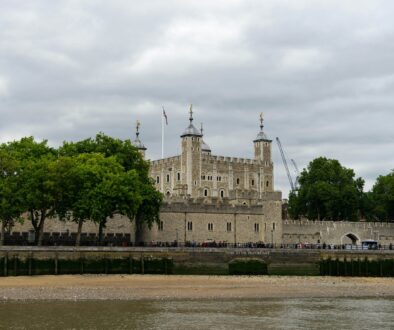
(165, 116)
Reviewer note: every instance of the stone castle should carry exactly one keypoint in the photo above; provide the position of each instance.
(216, 198)
(211, 198)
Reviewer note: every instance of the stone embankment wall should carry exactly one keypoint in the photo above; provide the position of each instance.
(336, 232)
(213, 261)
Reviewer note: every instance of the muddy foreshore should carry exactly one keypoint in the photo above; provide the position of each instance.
(158, 287)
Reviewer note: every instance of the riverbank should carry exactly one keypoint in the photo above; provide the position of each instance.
(160, 287)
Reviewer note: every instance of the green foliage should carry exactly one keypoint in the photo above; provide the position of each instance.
(328, 191)
(93, 179)
(247, 266)
(130, 192)
(382, 198)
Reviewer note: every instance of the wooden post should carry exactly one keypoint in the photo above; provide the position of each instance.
(81, 264)
(106, 265)
(5, 264)
(131, 264)
(30, 262)
(56, 263)
(15, 265)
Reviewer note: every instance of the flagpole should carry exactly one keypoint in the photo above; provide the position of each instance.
(162, 136)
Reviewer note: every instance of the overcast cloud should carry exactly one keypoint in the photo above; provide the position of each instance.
(321, 71)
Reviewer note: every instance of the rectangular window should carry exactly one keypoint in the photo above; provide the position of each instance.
(252, 182)
(190, 226)
(179, 176)
(273, 226)
(161, 225)
(157, 179)
(168, 178)
(210, 226)
(228, 226)
(256, 227)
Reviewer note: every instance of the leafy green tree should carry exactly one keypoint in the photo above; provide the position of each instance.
(10, 200)
(32, 184)
(95, 188)
(131, 160)
(382, 198)
(328, 191)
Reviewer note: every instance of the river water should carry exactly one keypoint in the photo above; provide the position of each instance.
(314, 313)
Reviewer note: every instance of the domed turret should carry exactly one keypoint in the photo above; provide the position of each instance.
(191, 130)
(262, 136)
(137, 142)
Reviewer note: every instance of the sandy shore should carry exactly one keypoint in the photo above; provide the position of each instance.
(137, 287)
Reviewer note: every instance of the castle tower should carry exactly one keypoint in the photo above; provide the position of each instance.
(191, 157)
(137, 142)
(263, 153)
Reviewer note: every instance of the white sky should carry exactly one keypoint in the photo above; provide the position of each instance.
(321, 71)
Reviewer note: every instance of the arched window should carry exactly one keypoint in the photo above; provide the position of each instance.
(205, 192)
(267, 183)
(237, 180)
(222, 193)
(157, 179)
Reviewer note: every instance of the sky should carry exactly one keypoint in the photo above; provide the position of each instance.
(322, 72)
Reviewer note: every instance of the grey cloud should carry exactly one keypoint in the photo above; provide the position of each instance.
(321, 72)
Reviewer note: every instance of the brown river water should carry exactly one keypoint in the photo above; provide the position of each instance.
(311, 313)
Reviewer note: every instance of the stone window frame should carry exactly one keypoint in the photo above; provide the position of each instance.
(221, 193)
(189, 226)
(238, 181)
(160, 226)
(206, 192)
(157, 179)
(256, 227)
(178, 176)
(168, 178)
(210, 226)
(229, 226)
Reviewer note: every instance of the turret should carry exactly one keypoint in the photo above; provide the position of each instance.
(137, 142)
(263, 153)
(262, 144)
(191, 157)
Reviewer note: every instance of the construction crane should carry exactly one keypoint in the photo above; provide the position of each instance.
(297, 173)
(282, 153)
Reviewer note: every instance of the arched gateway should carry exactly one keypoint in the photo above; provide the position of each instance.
(350, 238)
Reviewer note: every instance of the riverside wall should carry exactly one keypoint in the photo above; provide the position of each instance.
(336, 232)
(212, 261)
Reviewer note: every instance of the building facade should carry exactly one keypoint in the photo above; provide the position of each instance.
(215, 198)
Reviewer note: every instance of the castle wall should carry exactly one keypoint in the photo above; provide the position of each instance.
(336, 232)
(207, 223)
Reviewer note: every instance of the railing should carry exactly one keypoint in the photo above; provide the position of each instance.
(124, 240)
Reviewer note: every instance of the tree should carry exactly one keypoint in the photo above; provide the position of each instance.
(382, 198)
(30, 184)
(95, 188)
(130, 159)
(328, 191)
(10, 200)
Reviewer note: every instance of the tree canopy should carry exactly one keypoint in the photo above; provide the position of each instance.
(382, 198)
(89, 180)
(327, 191)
